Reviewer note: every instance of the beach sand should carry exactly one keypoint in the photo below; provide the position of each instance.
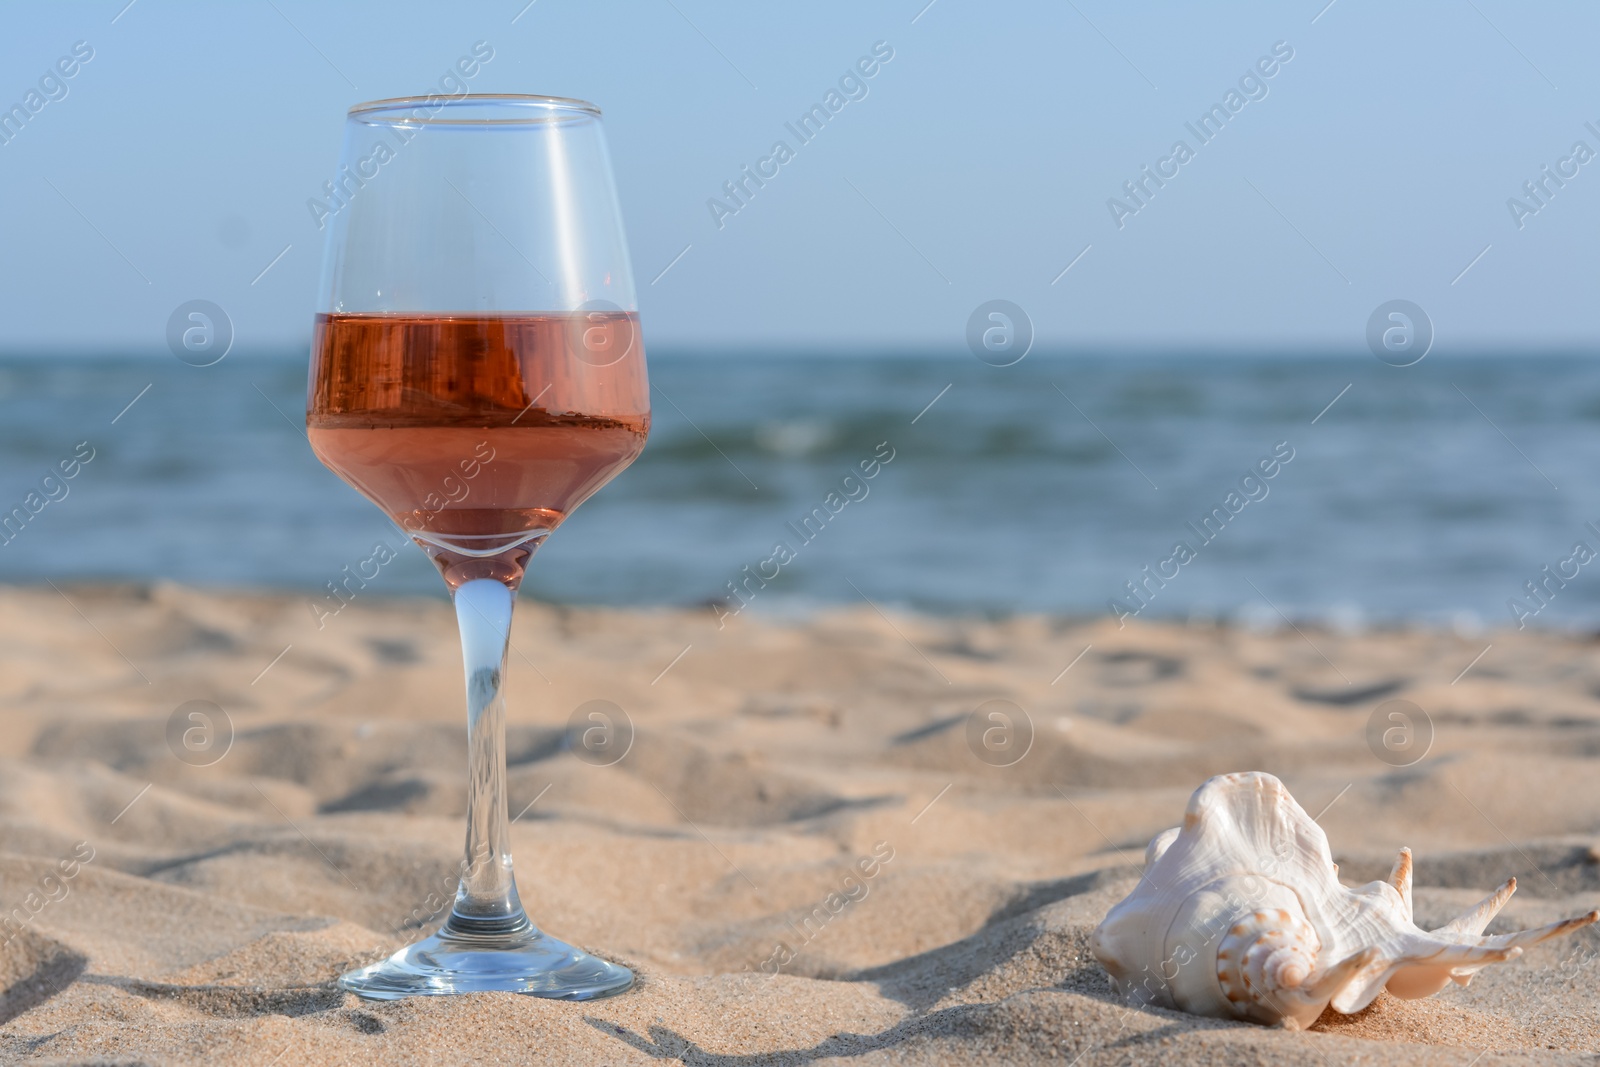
(770, 759)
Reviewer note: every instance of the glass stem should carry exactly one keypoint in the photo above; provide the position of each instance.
(486, 902)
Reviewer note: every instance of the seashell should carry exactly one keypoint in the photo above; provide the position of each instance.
(1240, 915)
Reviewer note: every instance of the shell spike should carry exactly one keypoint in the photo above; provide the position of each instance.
(1328, 984)
(1543, 933)
(1422, 977)
(1400, 878)
(1473, 922)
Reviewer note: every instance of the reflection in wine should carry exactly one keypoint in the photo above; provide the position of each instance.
(477, 434)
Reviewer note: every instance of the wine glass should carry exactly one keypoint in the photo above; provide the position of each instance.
(477, 372)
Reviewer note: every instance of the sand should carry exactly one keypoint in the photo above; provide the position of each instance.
(218, 903)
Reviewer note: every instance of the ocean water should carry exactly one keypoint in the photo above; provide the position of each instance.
(1428, 493)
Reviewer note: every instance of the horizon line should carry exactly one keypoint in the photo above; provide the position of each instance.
(898, 350)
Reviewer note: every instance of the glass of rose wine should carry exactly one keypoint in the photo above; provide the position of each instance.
(477, 372)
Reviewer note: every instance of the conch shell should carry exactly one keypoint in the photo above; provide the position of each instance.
(1240, 915)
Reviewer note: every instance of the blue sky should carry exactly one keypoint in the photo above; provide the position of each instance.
(979, 164)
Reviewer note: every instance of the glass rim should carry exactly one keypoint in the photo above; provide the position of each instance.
(402, 110)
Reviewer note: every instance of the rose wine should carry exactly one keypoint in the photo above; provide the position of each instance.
(478, 434)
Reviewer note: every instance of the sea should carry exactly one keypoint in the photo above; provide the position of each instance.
(1458, 492)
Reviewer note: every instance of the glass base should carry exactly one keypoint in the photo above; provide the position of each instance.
(523, 960)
